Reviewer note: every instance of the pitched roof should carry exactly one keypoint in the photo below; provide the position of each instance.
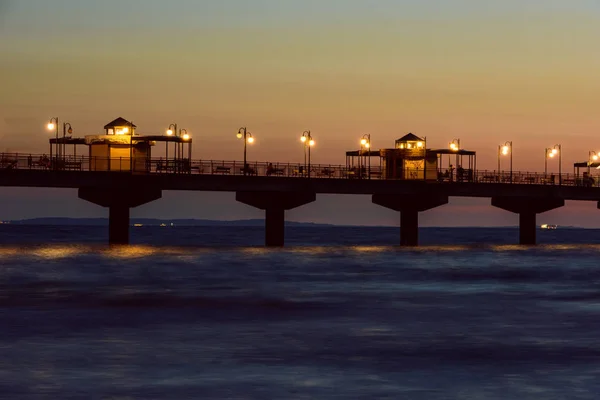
(409, 138)
(119, 122)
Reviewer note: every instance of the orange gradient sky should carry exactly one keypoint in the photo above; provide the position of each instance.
(525, 71)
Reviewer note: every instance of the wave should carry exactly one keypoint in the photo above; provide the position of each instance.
(44, 295)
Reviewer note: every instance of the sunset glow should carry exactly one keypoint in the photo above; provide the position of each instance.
(482, 71)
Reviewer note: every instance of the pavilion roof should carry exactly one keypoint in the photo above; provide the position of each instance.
(409, 138)
(119, 122)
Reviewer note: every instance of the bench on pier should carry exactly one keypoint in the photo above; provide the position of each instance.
(72, 165)
(328, 172)
(57, 164)
(466, 175)
(276, 171)
(42, 163)
(220, 169)
(8, 163)
(548, 181)
(356, 173)
(249, 171)
(299, 171)
(198, 167)
(490, 178)
(164, 166)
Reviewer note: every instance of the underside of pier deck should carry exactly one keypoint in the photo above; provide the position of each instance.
(409, 207)
(275, 204)
(118, 203)
(527, 208)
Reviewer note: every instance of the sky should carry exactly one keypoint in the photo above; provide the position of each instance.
(482, 71)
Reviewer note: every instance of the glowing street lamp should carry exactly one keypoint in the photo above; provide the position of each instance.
(365, 143)
(505, 150)
(185, 136)
(171, 130)
(247, 136)
(67, 128)
(53, 126)
(454, 145)
(592, 158)
(125, 131)
(308, 142)
(552, 152)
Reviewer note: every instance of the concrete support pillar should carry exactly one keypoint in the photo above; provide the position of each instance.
(409, 228)
(275, 204)
(118, 224)
(527, 208)
(274, 227)
(119, 201)
(527, 228)
(409, 207)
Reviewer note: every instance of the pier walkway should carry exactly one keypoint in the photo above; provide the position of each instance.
(276, 187)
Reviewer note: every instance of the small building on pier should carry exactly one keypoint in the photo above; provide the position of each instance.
(120, 148)
(410, 159)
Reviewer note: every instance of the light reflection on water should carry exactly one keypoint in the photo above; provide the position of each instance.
(133, 251)
(57, 251)
(455, 320)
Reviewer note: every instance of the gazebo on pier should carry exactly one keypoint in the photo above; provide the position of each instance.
(586, 177)
(410, 159)
(120, 148)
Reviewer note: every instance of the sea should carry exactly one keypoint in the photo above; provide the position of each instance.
(339, 313)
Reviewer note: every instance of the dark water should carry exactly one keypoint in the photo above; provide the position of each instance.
(206, 313)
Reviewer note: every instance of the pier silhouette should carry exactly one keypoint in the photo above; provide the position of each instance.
(120, 172)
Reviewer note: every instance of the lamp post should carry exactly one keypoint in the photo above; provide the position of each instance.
(65, 130)
(53, 126)
(504, 150)
(552, 152)
(247, 136)
(171, 130)
(188, 139)
(592, 157)
(454, 145)
(129, 130)
(183, 135)
(308, 142)
(423, 145)
(365, 143)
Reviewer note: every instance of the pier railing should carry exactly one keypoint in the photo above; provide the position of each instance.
(19, 161)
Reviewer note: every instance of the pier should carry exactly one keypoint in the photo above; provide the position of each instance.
(121, 173)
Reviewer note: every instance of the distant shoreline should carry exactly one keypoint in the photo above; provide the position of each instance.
(62, 221)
